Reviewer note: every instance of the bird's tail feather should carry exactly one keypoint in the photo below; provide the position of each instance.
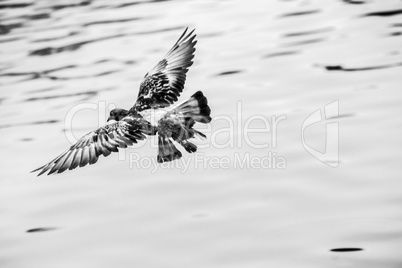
(190, 147)
(195, 108)
(167, 151)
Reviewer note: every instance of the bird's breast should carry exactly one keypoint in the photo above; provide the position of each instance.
(153, 115)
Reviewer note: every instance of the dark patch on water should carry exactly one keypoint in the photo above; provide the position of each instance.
(26, 139)
(27, 124)
(305, 42)
(32, 74)
(102, 61)
(53, 50)
(322, 30)
(162, 30)
(137, 3)
(280, 54)
(301, 13)
(89, 94)
(72, 47)
(55, 38)
(229, 72)
(354, 2)
(395, 34)
(41, 229)
(384, 13)
(346, 249)
(51, 77)
(81, 77)
(6, 28)
(341, 68)
(129, 62)
(128, 4)
(35, 75)
(39, 16)
(17, 5)
(397, 25)
(109, 21)
(61, 6)
(45, 122)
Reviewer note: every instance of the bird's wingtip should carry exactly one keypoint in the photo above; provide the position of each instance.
(39, 168)
(32, 171)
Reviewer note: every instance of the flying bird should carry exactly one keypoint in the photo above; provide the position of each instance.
(152, 113)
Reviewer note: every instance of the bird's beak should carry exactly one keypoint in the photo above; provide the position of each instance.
(110, 118)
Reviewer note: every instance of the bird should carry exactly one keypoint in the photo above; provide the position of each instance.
(153, 113)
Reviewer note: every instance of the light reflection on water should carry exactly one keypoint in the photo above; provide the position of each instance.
(275, 58)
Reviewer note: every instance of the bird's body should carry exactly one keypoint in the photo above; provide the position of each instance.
(154, 115)
(150, 115)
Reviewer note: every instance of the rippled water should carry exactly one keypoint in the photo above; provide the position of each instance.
(253, 58)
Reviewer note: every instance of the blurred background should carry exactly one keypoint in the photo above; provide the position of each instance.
(255, 61)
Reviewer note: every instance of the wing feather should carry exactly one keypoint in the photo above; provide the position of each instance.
(102, 148)
(93, 157)
(76, 159)
(59, 163)
(102, 141)
(162, 85)
(68, 162)
(84, 156)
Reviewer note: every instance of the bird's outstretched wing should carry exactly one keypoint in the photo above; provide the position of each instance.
(103, 141)
(162, 85)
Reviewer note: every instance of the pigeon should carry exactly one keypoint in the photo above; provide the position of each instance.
(152, 114)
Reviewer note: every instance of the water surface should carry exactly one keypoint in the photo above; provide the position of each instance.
(260, 58)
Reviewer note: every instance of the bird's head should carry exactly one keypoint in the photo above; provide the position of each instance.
(117, 114)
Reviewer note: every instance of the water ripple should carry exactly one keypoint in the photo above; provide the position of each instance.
(17, 5)
(369, 68)
(384, 13)
(309, 32)
(301, 13)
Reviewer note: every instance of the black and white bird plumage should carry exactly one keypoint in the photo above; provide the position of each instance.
(164, 83)
(151, 114)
